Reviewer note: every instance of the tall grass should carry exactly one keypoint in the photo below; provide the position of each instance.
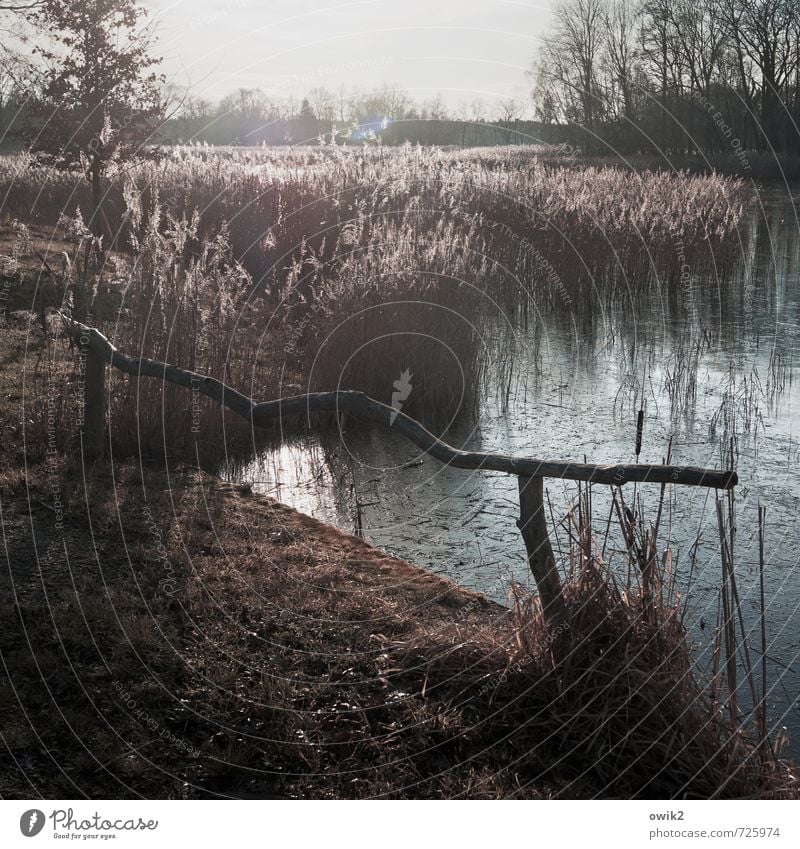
(313, 268)
(612, 697)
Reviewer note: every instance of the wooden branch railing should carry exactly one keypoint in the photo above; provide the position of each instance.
(532, 523)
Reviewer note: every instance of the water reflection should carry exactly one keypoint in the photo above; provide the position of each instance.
(713, 368)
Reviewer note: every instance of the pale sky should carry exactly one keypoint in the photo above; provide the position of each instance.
(465, 50)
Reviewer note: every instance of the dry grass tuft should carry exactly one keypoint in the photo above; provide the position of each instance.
(610, 699)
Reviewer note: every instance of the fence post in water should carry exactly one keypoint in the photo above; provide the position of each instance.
(94, 411)
(533, 526)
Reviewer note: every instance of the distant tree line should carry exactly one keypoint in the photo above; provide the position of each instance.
(669, 76)
(679, 76)
(250, 116)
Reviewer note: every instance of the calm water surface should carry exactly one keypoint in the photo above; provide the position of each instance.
(718, 366)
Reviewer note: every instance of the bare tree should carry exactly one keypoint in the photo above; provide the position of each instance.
(434, 109)
(571, 59)
(620, 20)
(509, 112)
(323, 103)
(344, 104)
(15, 61)
(765, 35)
(388, 100)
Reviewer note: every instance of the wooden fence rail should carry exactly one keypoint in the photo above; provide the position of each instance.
(99, 352)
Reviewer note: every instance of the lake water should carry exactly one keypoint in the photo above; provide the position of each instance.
(718, 366)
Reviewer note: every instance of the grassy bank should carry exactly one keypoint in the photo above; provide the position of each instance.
(212, 643)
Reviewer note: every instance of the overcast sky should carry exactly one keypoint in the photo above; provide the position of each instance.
(465, 49)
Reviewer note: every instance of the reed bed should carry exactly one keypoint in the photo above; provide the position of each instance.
(321, 267)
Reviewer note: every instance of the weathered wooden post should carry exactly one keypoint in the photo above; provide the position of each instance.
(94, 395)
(533, 526)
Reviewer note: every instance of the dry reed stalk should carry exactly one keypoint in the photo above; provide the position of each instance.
(762, 704)
(621, 708)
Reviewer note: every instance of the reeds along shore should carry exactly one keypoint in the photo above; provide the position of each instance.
(323, 268)
(612, 698)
